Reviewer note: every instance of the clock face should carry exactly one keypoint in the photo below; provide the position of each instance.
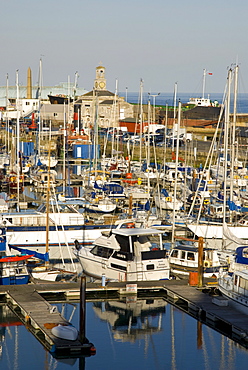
(102, 84)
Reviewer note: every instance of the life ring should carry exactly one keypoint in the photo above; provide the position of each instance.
(130, 225)
(168, 199)
(206, 264)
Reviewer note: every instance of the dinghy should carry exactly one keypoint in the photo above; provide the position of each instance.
(65, 331)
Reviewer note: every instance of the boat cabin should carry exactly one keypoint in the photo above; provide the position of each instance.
(13, 270)
(184, 259)
(124, 244)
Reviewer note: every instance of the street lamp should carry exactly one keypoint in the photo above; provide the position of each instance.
(154, 105)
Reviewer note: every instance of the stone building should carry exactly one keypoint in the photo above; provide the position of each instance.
(102, 106)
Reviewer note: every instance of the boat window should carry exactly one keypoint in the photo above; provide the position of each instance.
(243, 283)
(150, 267)
(191, 256)
(183, 255)
(124, 256)
(102, 251)
(119, 267)
(124, 242)
(154, 254)
(174, 253)
(236, 280)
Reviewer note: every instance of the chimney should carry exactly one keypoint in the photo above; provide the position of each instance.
(29, 84)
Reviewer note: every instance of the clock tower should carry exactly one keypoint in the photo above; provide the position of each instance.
(100, 81)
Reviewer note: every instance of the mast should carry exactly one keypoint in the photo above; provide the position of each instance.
(7, 112)
(175, 100)
(17, 139)
(39, 114)
(176, 172)
(233, 135)
(64, 142)
(226, 135)
(48, 198)
(141, 119)
(204, 83)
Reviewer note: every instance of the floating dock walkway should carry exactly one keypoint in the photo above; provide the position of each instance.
(30, 304)
(39, 316)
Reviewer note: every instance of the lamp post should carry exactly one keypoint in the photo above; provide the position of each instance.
(154, 105)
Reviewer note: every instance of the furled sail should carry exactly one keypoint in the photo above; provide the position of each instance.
(230, 236)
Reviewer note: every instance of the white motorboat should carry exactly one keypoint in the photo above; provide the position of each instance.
(235, 287)
(126, 254)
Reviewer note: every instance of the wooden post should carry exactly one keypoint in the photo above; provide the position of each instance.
(82, 312)
(199, 335)
(200, 261)
(130, 205)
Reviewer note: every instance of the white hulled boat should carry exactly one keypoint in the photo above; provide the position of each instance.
(235, 288)
(126, 255)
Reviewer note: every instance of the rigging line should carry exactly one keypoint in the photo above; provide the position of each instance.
(210, 153)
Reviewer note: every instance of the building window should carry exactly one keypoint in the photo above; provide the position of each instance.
(55, 114)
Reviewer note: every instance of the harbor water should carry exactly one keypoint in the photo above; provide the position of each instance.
(131, 334)
(168, 98)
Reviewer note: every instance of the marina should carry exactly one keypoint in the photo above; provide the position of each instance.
(149, 213)
(31, 305)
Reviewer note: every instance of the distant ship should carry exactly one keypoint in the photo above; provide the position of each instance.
(198, 112)
(59, 99)
(203, 109)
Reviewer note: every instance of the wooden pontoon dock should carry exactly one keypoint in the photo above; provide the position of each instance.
(31, 304)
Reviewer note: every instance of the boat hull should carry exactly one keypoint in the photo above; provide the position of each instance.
(119, 270)
(14, 280)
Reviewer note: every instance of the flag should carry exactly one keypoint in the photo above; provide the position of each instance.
(210, 73)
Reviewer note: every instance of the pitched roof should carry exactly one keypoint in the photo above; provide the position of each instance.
(99, 93)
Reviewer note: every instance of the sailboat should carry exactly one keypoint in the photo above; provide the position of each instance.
(46, 272)
(216, 233)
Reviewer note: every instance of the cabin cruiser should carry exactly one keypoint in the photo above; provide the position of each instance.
(126, 254)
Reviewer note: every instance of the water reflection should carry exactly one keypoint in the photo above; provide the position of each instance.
(131, 318)
(129, 333)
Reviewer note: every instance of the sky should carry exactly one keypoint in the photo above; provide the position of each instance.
(161, 42)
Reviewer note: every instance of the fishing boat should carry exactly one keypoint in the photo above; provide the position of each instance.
(13, 270)
(183, 259)
(126, 254)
